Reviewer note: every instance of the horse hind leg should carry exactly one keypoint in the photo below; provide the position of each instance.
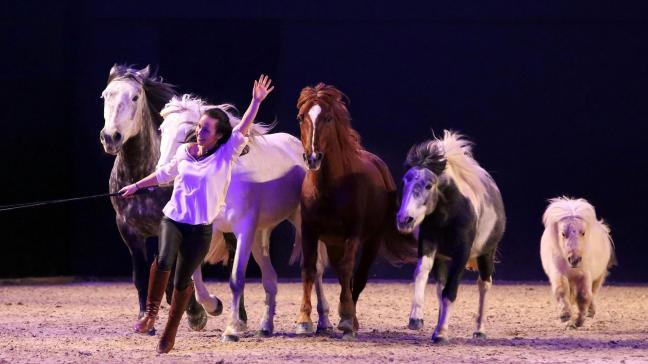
(361, 276)
(484, 284)
(245, 238)
(269, 279)
(141, 267)
(421, 275)
(324, 326)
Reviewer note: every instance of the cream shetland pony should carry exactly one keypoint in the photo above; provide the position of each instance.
(576, 251)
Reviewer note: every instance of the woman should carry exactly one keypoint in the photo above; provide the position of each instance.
(201, 172)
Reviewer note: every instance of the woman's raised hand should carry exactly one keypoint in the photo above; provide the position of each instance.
(262, 88)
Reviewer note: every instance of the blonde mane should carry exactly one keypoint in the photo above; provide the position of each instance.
(451, 157)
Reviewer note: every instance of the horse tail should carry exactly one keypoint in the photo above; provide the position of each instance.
(218, 252)
(396, 248)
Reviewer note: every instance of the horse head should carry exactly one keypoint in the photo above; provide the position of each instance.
(426, 163)
(571, 239)
(124, 101)
(325, 124)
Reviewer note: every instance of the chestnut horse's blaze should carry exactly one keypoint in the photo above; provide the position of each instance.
(348, 201)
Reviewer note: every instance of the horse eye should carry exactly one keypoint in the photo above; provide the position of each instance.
(582, 233)
(428, 187)
(135, 98)
(564, 235)
(300, 119)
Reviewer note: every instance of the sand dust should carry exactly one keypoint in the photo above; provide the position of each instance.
(91, 322)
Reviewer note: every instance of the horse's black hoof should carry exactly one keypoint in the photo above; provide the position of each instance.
(350, 336)
(304, 328)
(198, 321)
(439, 340)
(479, 335)
(415, 324)
(263, 333)
(230, 338)
(324, 331)
(218, 310)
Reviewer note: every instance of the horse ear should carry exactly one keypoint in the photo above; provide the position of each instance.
(113, 70)
(144, 72)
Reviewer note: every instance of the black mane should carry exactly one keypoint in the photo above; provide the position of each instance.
(428, 155)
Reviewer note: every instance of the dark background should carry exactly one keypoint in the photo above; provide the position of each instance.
(552, 92)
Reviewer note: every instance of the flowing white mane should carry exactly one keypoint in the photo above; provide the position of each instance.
(197, 106)
(471, 179)
(564, 207)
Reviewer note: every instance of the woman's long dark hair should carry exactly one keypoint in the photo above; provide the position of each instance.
(223, 127)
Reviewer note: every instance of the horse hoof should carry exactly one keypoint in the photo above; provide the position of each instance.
(197, 322)
(304, 328)
(350, 336)
(415, 324)
(479, 335)
(564, 317)
(571, 326)
(230, 338)
(439, 340)
(218, 310)
(263, 333)
(346, 325)
(324, 330)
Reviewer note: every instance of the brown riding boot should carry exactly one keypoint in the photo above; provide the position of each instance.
(179, 304)
(158, 280)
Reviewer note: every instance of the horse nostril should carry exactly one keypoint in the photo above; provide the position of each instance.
(117, 136)
(409, 220)
(319, 156)
(574, 261)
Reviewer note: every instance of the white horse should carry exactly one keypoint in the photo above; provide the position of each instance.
(576, 251)
(264, 190)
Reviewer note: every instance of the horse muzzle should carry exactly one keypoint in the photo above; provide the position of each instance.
(574, 261)
(405, 224)
(111, 142)
(314, 160)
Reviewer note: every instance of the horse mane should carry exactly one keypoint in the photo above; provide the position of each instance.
(156, 92)
(198, 106)
(564, 207)
(452, 156)
(335, 102)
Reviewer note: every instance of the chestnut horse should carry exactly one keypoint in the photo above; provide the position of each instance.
(348, 201)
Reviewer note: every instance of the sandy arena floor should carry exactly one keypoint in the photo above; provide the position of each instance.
(91, 322)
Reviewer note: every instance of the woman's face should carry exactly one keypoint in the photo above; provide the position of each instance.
(206, 133)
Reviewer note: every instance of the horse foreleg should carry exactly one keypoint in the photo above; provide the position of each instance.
(245, 238)
(449, 295)
(421, 274)
(269, 279)
(211, 303)
(308, 272)
(484, 283)
(561, 291)
(324, 326)
(596, 286)
(583, 300)
(342, 259)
